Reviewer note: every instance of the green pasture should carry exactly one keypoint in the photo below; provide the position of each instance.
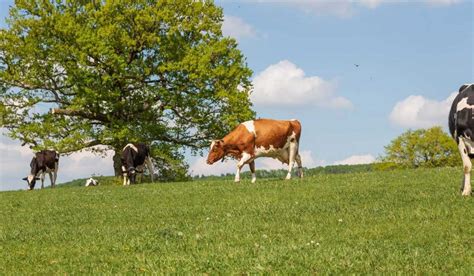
(405, 221)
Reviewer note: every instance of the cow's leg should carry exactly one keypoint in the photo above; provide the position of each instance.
(291, 158)
(125, 177)
(150, 168)
(252, 169)
(55, 173)
(51, 179)
(467, 165)
(126, 180)
(42, 179)
(245, 158)
(300, 166)
(139, 176)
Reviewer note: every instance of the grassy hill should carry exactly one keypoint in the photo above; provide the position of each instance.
(406, 221)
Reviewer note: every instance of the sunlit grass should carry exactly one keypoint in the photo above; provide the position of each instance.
(411, 221)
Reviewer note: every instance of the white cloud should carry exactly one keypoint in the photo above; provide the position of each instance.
(237, 28)
(85, 164)
(200, 167)
(284, 84)
(356, 159)
(13, 158)
(419, 112)
(308, 160)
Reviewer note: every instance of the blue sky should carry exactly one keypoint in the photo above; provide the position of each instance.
(412, 56)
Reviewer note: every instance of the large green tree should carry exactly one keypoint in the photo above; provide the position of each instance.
(86, 73)
(423, 148)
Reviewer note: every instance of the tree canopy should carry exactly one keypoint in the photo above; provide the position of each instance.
(78, 74)
(423, 148)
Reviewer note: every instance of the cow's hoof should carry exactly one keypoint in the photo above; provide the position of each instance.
(254, 180)
(467, 193)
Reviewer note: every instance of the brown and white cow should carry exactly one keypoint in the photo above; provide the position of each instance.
(260, 138)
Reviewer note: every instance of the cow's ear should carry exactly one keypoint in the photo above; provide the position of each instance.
(24, 178)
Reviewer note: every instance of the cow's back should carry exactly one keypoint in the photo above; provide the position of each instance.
(143, 153)
(134, 155)
(275, 132)
(46, 159)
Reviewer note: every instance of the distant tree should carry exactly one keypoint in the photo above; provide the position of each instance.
(113, 72)
(422, 148)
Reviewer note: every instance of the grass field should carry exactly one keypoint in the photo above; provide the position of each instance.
(412, 221)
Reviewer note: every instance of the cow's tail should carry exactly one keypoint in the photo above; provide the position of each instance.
(452, 121)
(296, 126)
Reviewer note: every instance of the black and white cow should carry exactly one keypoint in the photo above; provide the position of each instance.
(134, 158)
(45, 161)
(461, 127)
(92, 182)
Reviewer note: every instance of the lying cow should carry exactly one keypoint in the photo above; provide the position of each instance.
(260, 138)
(461, 126)
(134, 157)
(45, 161)
(91, 182)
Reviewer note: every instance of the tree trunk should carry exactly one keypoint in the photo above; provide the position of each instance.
(117, 163)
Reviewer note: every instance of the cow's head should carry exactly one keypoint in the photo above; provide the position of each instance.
(127, 162)
(31, 181)
(132, 174)
(216, 151)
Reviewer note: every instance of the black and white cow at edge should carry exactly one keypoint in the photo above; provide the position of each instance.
(134, 158)
(45, 161)
(461, 127)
